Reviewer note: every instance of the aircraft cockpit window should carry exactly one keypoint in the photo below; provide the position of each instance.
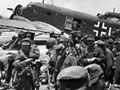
(101, 16)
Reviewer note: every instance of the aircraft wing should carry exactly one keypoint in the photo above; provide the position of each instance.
(46, 27)
(16, 24)
(41, 26)
(12, 27)
(25, 25)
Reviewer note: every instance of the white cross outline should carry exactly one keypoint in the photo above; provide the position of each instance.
(97, 25)
(96, 32)
(103, 26)
(102, 33)
(109, 32)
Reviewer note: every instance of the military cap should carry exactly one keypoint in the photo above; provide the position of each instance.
(100, 42)
(52, 40)
(26, 41)
(76, 77)
(95, 42)
(110, 40)
(94, 71)
(90, 38)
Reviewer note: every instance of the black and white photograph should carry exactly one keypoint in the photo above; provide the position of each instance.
(60, 45)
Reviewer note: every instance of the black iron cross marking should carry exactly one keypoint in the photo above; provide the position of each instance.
(100, 29)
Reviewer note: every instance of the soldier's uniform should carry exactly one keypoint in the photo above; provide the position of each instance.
(70, 60)
(73, 78)
(116, 79)
(109, 73)
(88, 51)
(107, 58)
(117, 70)
(22, 55)
(100, 54)
(61, 55)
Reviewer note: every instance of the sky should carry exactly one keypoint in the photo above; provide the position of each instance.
(87, 6)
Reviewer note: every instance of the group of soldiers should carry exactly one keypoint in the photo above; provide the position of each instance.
(80, 62)
(84, 62)
(26, 49)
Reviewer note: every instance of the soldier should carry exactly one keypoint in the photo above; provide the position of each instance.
(90, 45)
(88, 51)
(70, 60)
(34, 47)
(110, 43)
(35, 52)
(17, 41)
(105, 59)
(109, 73)
(26, 52)
(61, 56)
(5, 65)
(117, 64)
(75, 26)
(100, 53)
(8, 44)
(73, 78)
(96, 77)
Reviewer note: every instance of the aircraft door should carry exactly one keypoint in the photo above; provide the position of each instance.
(76, 24)
(68, 23)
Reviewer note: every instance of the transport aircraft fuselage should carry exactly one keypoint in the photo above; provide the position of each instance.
(63, 19)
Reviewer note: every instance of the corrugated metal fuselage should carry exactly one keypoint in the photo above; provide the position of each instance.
(63, 19)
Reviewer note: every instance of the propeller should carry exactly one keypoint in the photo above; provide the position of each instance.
(11, 9)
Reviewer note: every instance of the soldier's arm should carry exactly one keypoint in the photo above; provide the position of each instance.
(35, 53)
(5, 45)
(14, 44)
(18, 58)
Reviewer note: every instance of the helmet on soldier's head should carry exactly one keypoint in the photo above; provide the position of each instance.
(95, 72)
(110, 40)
